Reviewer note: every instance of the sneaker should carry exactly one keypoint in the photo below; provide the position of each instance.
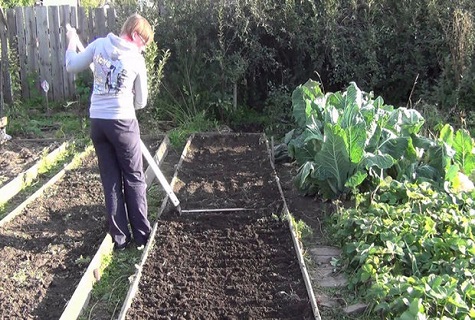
(141, 247)
(122, 246)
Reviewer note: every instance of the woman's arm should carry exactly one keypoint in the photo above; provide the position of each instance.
(141, 89)
(76, 62)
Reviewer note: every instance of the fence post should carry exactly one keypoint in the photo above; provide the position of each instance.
(31, 39)
(5, 83)
(68, 15)
(57, 81)
(22, 54)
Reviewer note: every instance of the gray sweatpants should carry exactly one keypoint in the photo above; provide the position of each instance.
(117, 145)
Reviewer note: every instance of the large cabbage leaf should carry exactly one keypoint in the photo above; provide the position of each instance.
(333, 163)
(345, 138)
(305, 100)
(464, 148)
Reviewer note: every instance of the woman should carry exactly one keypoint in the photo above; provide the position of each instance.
(120, 87)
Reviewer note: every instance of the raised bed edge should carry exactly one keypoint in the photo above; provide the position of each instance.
(134, 286)
(18, 210)
(24, 178)
(160, 154)
(82, 294)
(80, 298)
(298, 248)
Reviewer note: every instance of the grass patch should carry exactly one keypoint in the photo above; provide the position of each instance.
(61, 124)
(109, 293)
(199, 123)
(117, 269)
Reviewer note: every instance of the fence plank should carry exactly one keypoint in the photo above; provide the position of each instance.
(37, 38)
(4, 66)
(64, 18)
(83, 25)
(43, 47)
(91, 28)
(13, 47)
(56, 53)
(32, 46)
(100, 22)
(67, 15)
(112, 21)
(21, 43)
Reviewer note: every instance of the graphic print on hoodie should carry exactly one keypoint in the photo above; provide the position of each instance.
(110, 75)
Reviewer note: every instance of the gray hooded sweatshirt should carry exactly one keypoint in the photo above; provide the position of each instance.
(120, 76)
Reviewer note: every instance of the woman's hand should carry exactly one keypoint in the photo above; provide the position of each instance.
(72, 37)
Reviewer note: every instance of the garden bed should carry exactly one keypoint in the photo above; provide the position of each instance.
(222, 264)
(17, 155)
(46, 248)
(48, 244)
(47, 162)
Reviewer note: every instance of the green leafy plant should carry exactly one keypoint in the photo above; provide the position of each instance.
(345, 137)
(347, 140)
(277, 110)
(302, 230)
(410, 251)
(199, 123)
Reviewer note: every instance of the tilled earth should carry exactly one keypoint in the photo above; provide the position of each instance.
(223, 265)
(220, 265)
(18, 155)
(46, 249)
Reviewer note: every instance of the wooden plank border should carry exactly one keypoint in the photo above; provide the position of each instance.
(19, 209)
(160, 153)
(297, 245)
(25, 178)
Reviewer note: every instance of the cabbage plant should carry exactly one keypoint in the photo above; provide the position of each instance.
(348, 139)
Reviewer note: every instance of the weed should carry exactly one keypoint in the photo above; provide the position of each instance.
(111, 290)
(82, 261)
(198, 123)
(302, 230)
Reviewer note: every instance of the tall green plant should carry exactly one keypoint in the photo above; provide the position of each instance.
(344, 137)
(454, 90)
(348, 139)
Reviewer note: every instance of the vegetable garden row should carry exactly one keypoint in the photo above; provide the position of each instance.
(408, 242)
(249, 260)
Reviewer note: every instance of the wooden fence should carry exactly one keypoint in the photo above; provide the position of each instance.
(33, 44)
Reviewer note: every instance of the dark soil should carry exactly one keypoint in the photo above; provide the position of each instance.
(17, 155)
(310, 209)
(47, 248)
(234, 265)
(224, 265)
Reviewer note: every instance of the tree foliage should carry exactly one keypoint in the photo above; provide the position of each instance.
(403, 50)
(16, 3)
(228, 54)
